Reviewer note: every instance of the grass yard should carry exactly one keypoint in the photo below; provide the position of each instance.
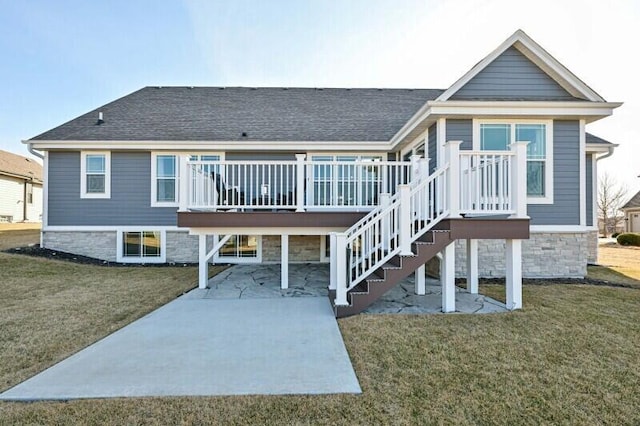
(570, 357)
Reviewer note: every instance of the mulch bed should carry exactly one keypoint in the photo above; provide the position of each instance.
(37, 251)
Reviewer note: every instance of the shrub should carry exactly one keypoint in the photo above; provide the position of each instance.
(615, 235)
(629, 239)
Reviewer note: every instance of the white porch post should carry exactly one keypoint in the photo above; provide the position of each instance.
(405, 220)
(284, 261)
(183, 189)
(423, 166)
(385, 201)
(472, 266)
(420, 281)
(447, 278)
(452, 153)
(415, 167)
(519, 180)
(300, 175)
(203, 266)
(332, 261)
(340, 259)
(514, 274)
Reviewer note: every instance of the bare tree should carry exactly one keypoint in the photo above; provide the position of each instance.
(611, 197)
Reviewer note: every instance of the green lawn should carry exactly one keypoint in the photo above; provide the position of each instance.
(570, 357)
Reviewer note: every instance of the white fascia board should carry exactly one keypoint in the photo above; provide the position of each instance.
(216, 145)
(548, 109)
(598, 147)
(534, 52)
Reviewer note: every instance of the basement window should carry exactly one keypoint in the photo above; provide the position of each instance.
(144, 246)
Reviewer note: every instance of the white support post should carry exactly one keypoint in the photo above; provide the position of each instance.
(385, 201)
(519, 180)
(514, 274)
(448, 278)
(423, 166)
(472, 266)
(203, 266)
(183, 189)
(333, 278)
(340, 259)
(415, 167)
(405, 220)
(300, 176)
(284, 261)
(452, 153)
(420, 281)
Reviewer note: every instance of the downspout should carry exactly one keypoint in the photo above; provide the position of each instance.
(34, 152)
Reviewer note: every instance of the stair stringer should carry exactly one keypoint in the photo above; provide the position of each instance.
(394, 271)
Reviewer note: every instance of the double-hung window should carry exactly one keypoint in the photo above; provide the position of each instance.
(499, 135)
(95, 170)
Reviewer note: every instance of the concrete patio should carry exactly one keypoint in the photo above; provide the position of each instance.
(261, 281)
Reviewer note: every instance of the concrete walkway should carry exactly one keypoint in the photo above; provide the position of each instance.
(195, 346)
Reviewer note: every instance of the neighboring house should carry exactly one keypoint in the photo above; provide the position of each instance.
(496, 175)
(20, 188)
(632, 214)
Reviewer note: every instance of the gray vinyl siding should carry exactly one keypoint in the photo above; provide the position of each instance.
(565, 209)
(432, 149)
(589, 189)
(512, 76)
(130, 202)
(460, 130)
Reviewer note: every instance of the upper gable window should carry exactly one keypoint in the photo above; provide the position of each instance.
(492, 135)
(95, 171)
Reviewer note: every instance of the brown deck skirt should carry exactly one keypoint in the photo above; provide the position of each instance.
(282, 219)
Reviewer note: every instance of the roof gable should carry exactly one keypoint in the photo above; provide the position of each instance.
(512, 76)
(634, 202)
(537, 56)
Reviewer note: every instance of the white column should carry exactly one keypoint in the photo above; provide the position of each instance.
(203, 267)
(420, 281)
(284, 261)
(423, 166)
(448, 277)
(519, 180)
(333, 278)
(472, 266)
(514, 274)
(404, 221)
(452, 153)
(415, 167)
(385, 201)
(340, 257)
(183, 189)
(300, 175)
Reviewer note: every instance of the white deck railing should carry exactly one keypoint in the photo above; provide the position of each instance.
(485, 182)
(291, 185)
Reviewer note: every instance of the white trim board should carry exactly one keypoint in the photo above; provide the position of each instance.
(559, 229)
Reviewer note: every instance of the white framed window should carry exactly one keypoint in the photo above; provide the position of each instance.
(164, 179)
(95, 174)
(240, 249)
(497, 135)
(165, 175)
(141, 246)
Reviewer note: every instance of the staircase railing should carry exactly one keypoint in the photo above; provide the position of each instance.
(392, 228)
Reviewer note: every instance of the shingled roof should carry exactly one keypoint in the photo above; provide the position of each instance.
(18, 166)
(596, 140)
(262, 114)
(634, 202)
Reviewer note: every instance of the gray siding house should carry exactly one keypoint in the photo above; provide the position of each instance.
(495, 176)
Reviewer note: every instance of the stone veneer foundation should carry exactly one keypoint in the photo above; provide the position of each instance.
(544, 255)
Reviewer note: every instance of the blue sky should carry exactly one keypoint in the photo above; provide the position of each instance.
(61, 59)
